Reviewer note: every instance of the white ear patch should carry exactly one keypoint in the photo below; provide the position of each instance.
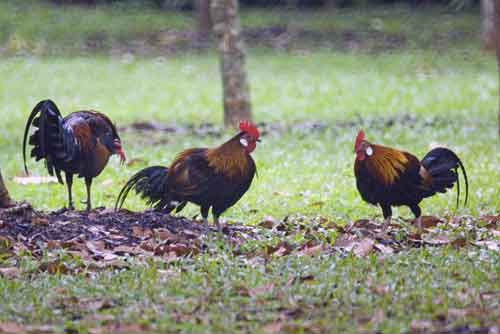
(244, 142)
(369, 151)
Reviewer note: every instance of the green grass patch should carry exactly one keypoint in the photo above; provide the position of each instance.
(233, 294)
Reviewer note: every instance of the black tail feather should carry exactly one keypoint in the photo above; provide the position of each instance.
(151, 184)
(443, 164)
(49, 118)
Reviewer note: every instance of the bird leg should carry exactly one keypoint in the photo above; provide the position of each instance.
(204, 214)
(88, 185)
(217, 223)
(69, 184)
(418, 215)
(387, 212)
(385, 225)
(418, 222)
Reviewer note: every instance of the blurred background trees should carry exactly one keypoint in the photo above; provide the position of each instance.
(203, 17)
(236, 94)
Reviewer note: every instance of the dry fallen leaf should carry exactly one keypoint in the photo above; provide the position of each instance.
(140, 232)
(39, 221)
(417, 326)
(123, 249)
(364, 247)
(490, 244)
(263, 289)
(164, 234)
(181, 249)
(273, 327)
(96, 246)
(282, 249)
(11, 328)
(311, 251)
(120, 329)
(54, 267)
(428, 221)
(365, 223)
(9, 273)
(491, 221)
(437, 240)
(24, 180)
(268, 222)
(345, 242)
(386, 250)
(148, 245)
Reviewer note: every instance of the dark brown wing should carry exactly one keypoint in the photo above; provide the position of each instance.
(190, 177)
(389, 176)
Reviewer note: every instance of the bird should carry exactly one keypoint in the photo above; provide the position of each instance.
(78, 144)
(389, 177)
(212, 178)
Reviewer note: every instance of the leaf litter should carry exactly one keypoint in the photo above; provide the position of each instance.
(104, 238)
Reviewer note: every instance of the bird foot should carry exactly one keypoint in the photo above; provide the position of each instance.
(205, 227)
(418, 225)
(218, 225)
(88, 206)
(63, 210)
(382, 235)
(71, 206)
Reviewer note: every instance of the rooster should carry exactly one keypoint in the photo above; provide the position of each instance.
(388, 177)
(209, 177)
(80, 143)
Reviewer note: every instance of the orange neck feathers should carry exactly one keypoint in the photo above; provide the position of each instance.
(230, 158)
(387, 163)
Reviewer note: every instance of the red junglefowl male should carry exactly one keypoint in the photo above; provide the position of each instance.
(80, 143)
(209, 177)
(388, 177)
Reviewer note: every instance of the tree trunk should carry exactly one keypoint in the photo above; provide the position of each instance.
(232, 61)
(497, 49)
(330, 4)
(488, 38)
(204, 18)
(5, 200)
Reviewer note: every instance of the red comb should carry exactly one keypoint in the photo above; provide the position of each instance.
(248, 127)
(359, 138)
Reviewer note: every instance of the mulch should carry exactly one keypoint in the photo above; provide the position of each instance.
(104, 234)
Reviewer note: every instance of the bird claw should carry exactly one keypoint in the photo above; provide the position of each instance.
(63, 210)
(88, 208)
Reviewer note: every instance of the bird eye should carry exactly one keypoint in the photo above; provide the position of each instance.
(369, 151)
(244, 142)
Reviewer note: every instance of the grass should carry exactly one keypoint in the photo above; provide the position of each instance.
(211, 293)
(450, 95)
